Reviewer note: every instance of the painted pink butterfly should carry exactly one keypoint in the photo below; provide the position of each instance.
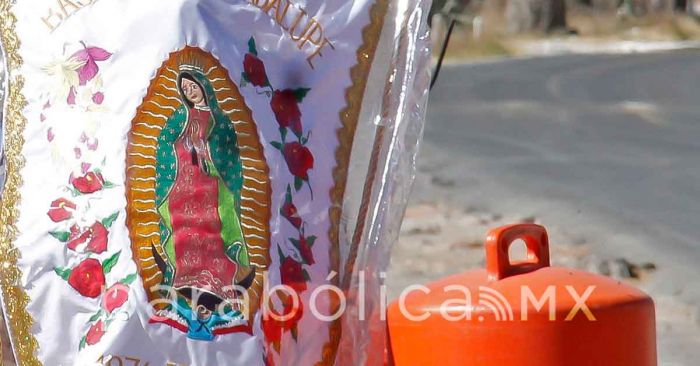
(90, 55)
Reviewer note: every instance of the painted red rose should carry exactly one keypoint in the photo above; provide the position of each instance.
(293, 275)
(289, 212)
(88, 278)
(98, 241)
(271, 327)
(292, 315)
(96, 237)
(88, 183)
(269, 359)
(115, 297)
(77, 237)
(94, 335)
(299, 159)
(61, 210)
(305, 251)
(255, 70)
(286, 108)
(275, 324)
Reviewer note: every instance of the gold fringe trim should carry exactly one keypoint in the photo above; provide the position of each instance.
(15, 298)
(349, 117)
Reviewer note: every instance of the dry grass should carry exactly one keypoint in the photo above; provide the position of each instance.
(659, 27)
(463, 45)
(589, 26)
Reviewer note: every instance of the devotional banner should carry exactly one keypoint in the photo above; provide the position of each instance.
(170, 164)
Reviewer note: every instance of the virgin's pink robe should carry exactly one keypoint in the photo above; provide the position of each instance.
(201, 261)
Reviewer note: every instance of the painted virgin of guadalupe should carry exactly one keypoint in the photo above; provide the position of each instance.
(198, 191)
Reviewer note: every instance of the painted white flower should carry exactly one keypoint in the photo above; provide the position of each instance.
(64, 73)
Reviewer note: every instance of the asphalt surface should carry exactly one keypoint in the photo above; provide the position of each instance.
(606, 147)
(615, 136)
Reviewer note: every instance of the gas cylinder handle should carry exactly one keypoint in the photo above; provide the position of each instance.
(498, 242)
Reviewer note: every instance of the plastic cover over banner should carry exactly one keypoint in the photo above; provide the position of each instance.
(204, 182)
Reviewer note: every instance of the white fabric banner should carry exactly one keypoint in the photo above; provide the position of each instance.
(180, 159)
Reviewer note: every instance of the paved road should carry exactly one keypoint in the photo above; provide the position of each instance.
(606, 147)
(616, 136)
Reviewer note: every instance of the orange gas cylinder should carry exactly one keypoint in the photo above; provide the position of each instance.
(523, 314)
